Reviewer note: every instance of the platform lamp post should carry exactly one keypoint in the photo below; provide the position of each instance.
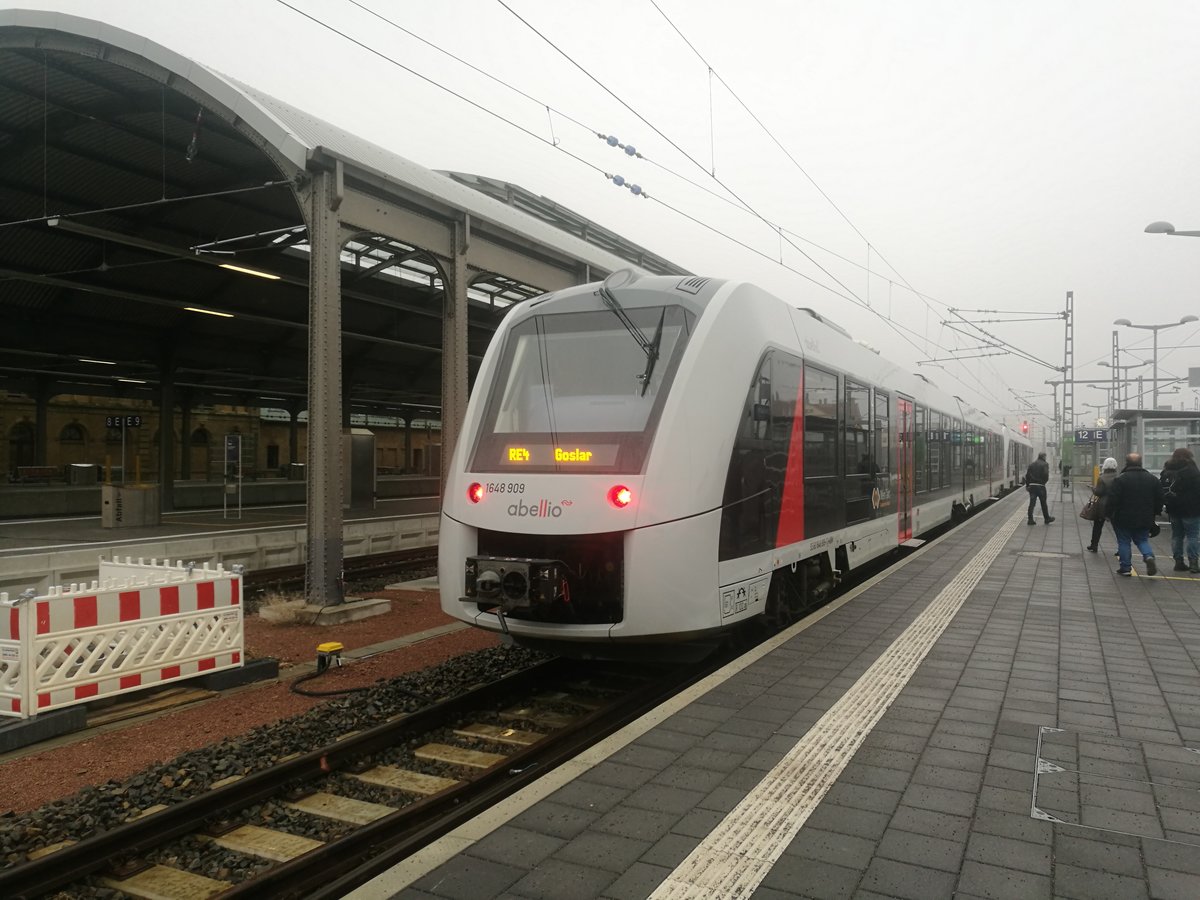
(1123, 380)
(1157, 328)
(1168, 228)
(1055, 437)
(1100, 409)
(1112, 400)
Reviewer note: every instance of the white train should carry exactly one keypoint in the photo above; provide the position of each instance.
(660, 459)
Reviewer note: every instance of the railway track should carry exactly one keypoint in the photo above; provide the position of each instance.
(355, 568)
(425, 773)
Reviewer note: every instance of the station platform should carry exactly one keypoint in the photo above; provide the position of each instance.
(998, 715)
(40, 552)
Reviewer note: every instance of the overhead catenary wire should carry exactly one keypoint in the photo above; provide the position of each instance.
(738, 203)
(850, 295)
(465, 99)
(767, 131)
(668, 139)
(925, 299)
(732, 193)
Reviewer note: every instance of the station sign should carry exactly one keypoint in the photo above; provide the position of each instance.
(1091, 435)
(122, 421)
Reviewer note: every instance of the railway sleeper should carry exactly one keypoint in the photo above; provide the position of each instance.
(158, 882)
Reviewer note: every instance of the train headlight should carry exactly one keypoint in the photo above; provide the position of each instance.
(620, 496)
(475, 492)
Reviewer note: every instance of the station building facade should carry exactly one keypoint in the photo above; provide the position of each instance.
(272, 440)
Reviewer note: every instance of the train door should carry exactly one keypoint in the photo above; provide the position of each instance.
(904, 467)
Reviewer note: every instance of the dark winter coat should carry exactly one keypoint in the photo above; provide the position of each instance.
(1183, 490)
(1038, 472)
(1102, 489)
(1134, 499)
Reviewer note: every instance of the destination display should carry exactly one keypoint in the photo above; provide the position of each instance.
(541, 455)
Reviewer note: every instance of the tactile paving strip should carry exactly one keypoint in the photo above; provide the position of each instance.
(735, 857)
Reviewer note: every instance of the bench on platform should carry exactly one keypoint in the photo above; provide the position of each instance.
(38, 474)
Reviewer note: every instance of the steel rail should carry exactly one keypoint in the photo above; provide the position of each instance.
(330, 871)
(90, 855)
(354, 567)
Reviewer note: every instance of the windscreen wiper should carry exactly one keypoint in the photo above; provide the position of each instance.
(650, 348)
(652, 352)
(619, 311)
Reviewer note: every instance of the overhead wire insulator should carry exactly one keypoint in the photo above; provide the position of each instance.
(613, 141)
(619, 181)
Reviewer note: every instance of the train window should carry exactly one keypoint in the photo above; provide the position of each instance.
(824, 509)
(820, 423)
(755, 485)
(919, 460)
(956, 454)
(935, 450)
(574, 392)
(860, 468)
(882, 451)
(858, 429)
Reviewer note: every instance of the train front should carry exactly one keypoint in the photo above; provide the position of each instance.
(548, 471)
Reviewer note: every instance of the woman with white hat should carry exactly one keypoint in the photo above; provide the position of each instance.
(1108, 474)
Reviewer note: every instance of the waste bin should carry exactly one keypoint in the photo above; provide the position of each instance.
(82, 473)
(295, 472)
(126, 505)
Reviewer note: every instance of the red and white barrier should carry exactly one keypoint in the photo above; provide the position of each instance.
(138, 624)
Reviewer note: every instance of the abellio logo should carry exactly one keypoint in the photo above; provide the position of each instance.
(539, 509)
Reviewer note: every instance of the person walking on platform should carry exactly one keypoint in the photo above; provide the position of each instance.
(1108, 474)
(1134, 499)
(1181, 483)
(1036, 477)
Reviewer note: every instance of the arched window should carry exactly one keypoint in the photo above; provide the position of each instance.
(72, 434)
(199, 437)
(20, 445)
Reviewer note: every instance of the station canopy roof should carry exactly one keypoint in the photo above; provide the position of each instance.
(143, 197)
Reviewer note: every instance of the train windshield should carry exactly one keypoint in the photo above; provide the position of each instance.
(571, 393)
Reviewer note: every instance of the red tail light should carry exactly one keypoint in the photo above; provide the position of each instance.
(475, 492)
(620, 496)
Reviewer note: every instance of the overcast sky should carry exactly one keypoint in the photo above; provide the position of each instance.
(996, 154)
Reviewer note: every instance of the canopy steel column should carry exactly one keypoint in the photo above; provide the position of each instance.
(407, 465)
(166, 436)
(454, 346)
(186, 400)
(293, 411)
(1069, 379)
(41, 420)
(324, 469)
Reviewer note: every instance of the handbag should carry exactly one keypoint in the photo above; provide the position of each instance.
(1091, 510)
(1155, 530)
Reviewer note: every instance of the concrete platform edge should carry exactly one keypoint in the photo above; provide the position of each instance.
(20, 733)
